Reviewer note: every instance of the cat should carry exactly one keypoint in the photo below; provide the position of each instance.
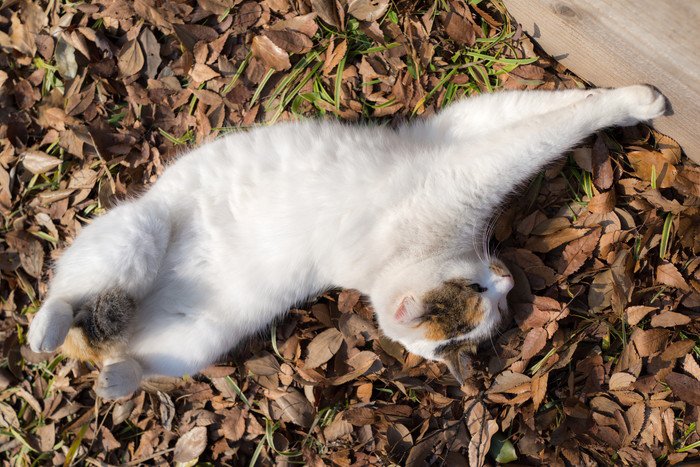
(239, 230)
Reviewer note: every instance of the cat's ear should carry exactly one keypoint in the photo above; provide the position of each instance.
(408, 310)
(459, 362)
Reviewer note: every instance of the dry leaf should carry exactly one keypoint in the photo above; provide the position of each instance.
(38, 162)
(667, 319)
(649, 342)
(367, 10)
(265, 365)
(648, 163)
(667, 273)
(637, 313)
(691, 366)
(577, 252)
(233, 426)
(534, 342)
(270, 53)
(539, 389)
(621, 381)
(600, 162)
(296, 408)
(190, 445)
(131, 59)
(323, 347)
(684, 387)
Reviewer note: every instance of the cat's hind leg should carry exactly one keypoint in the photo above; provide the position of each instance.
(123, 249)
(120, 377)
(50, 326)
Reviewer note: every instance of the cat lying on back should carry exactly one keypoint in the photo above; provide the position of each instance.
(243, 228)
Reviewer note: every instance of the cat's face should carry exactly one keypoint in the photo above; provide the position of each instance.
(449, 309)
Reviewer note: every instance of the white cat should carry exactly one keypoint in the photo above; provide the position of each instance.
(243, 228)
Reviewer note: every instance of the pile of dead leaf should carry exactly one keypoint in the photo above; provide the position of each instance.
(599, 365)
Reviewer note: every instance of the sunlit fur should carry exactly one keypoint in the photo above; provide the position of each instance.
(239, 230)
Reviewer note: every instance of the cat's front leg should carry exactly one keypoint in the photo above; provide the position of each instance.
(639, 103)
(476, 115)
(499, 161)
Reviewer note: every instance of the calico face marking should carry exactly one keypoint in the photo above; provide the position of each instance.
(448, 320)
(453, 309)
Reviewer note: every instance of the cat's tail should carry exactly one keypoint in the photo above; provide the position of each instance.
(101, 326)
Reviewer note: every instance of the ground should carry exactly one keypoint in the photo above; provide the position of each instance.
(598, 366)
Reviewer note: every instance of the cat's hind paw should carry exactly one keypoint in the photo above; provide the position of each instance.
(645, 102)
(50, 326)
(119, 379)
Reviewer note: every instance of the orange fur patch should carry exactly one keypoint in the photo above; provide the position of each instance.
(435, 332)
(452, 309)
(499, 270)
(77, 346)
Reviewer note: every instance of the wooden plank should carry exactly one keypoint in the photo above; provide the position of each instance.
(614, 43)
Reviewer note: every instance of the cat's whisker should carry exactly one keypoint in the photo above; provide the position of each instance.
(475, 244)
(488, 232)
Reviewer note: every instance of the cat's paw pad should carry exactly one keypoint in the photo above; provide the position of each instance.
(645, 102)
(119, 379)
(50, 326)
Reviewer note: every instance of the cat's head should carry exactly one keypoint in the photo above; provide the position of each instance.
(437, 311)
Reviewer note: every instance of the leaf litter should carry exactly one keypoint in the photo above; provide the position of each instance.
(598, 366)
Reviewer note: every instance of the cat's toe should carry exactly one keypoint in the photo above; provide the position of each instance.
(50, 326)
(119, 379)
(645, 102)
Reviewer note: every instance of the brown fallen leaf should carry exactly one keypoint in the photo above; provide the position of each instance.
(600, 163)
(38, 162)
(338, 428)
(635, 417)
(293, 42)
(323, 347)
(621, 381)
(367, 10)
(637, 313)
(31, 253)
(647, 163)
(667, 319)
(295, 408)
(544, 244)
(131, 59)
(539, 389)
(329, 11)
(577, 252)
(690, 366)
(459, 29)
(649, 342)
(190, 445)
(535, 341)
(668, 274)
(482, 428)
(602, 203)
(233, 425)
(264, 365)
(684, 387)
(270, 53)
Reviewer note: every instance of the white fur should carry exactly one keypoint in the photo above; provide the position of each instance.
(239, 230)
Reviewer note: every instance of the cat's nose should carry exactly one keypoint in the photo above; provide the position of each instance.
(503, 282)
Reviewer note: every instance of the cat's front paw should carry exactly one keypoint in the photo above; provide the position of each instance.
(119, 379)
(50, 326)
(644, 102)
